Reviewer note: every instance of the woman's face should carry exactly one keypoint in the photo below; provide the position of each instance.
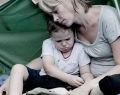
(63, 15)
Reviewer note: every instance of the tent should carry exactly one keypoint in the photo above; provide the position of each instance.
(23, 27)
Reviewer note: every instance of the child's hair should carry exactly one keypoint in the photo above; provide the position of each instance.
(55, 27)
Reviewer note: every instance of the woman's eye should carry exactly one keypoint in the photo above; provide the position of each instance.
(55, 12)
(58, 41)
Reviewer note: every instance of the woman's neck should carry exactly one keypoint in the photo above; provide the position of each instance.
(92, 15)
(88, 19)
(88, 31)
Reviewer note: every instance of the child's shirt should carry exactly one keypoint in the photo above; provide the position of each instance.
(70, 65)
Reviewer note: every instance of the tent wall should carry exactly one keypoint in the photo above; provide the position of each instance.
(23, 27)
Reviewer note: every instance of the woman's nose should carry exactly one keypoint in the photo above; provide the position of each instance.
(55, 18)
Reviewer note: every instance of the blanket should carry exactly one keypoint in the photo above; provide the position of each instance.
(43, 91)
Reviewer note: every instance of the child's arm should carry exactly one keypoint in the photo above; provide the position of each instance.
(52, 70)
(86, 73)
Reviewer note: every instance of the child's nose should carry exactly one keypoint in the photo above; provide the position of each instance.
(64, 43)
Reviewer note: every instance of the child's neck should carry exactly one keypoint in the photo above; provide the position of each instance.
(66, 54)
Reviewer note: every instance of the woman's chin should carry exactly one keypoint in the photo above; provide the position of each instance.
(67, 24)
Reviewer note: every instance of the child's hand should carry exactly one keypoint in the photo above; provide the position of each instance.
(75, 81)
(2, 89)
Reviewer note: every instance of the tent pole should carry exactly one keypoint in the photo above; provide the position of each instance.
(117, 6)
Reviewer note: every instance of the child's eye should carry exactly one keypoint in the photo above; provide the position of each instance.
(68, 39)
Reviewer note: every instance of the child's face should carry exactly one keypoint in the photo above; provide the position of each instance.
(63, 40)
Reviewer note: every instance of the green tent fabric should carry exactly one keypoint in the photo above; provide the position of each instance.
(23, 27)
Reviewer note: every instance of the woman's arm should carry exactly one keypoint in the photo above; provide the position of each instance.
(116, 56)
(94, 83)
(35, 64)
(86, 73)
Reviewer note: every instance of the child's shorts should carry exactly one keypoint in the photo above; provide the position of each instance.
(35, 80)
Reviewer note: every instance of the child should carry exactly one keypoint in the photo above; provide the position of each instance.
(63, 61)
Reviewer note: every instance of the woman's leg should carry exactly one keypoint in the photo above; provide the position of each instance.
(18, 74)
(110, 85)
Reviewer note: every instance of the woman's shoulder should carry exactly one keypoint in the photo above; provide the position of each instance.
(48, 41)
(108, 11)
(78, 46)
(109, 14)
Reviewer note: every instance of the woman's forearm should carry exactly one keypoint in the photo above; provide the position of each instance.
(114, 70)
(87, 77)
(36, 64)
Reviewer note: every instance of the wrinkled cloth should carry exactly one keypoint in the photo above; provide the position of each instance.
(43, 91)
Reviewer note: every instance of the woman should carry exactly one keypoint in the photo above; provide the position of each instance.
(98, 30)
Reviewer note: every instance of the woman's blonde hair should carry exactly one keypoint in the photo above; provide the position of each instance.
(49, 5)
(86, 4)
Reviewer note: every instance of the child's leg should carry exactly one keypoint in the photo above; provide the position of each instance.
(18, 74)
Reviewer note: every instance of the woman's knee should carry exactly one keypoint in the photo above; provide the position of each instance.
(110, 85)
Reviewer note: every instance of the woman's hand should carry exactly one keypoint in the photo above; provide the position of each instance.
(75, 80)
(85, 89)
